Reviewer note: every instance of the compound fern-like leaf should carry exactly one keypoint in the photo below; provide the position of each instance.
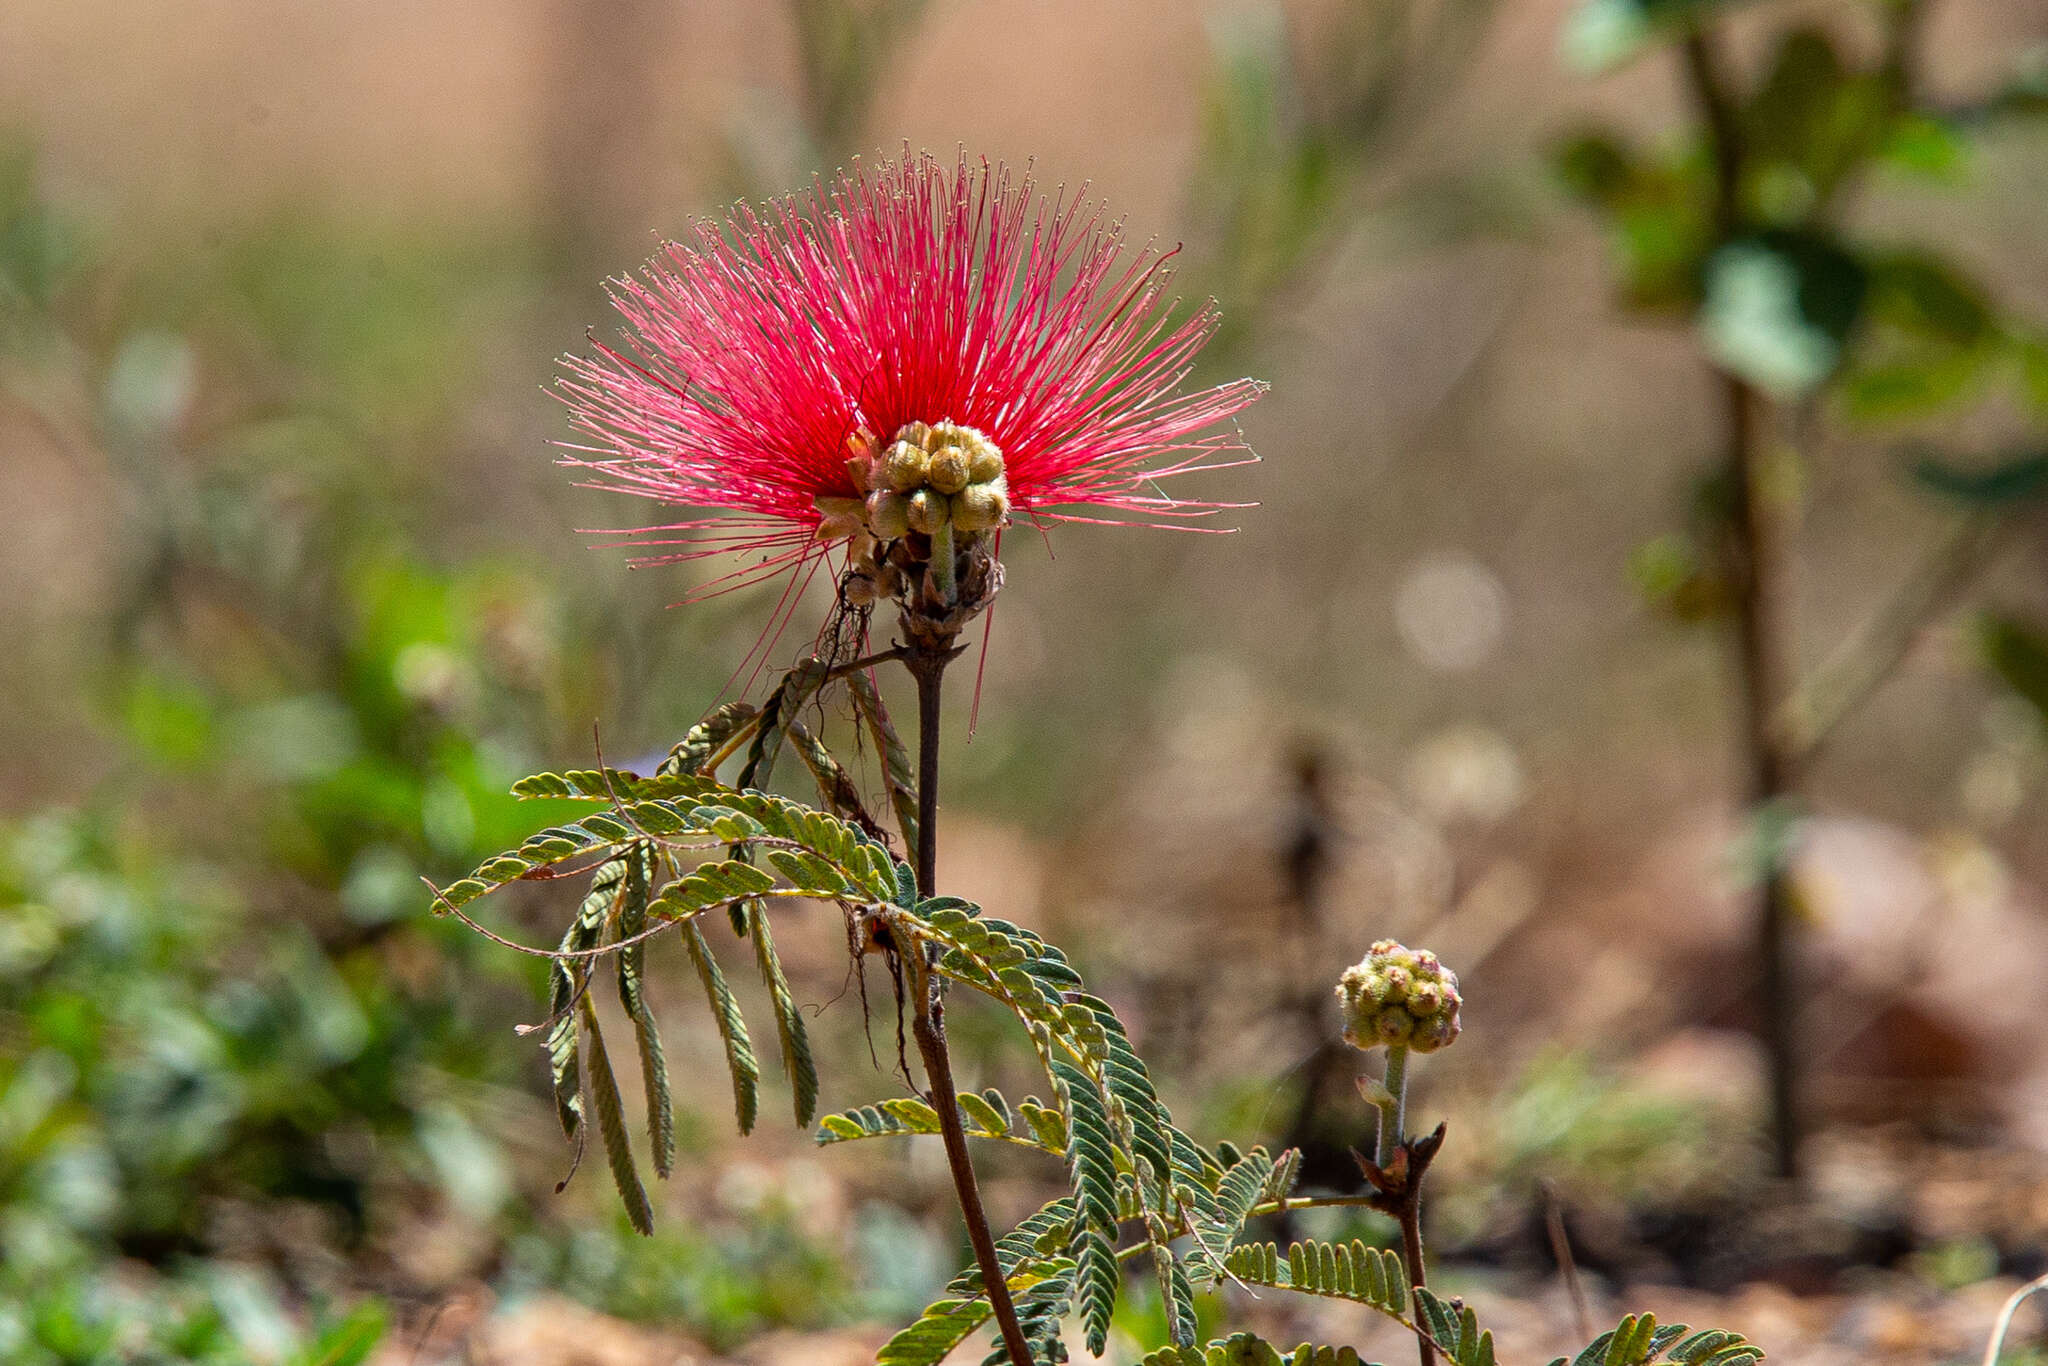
(980, 1117)
(632, 919)
(611, 1123)
(898, 777)
(789, 1021)
(1096, 1278)
(709, 738)
(1640, 1339)
(732, 1029)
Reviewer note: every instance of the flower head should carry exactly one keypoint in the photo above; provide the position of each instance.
(1399, 996)
(899, 361)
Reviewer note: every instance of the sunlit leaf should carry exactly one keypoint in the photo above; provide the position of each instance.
(1780, 308)
(1925, 145)
(1601, 34)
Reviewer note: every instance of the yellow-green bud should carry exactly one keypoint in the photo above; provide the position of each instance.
(838, 516)
(927, 511)
(905, 467)
(888, 515)
(1396, 996)
(980, 507)
(1434, 1033)
(984, 462)
(948, 472)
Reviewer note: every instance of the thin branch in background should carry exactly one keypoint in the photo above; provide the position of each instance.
(1294, 156)
(1567, 1265)
(600, 83)
(843, 47)
(1755, 568)
(2005, 1313)
(1872, 653)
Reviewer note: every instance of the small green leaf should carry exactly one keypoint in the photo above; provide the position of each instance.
(1926, 145)
(1096, 1278)
(1911, 387)
(2010, 480)
(979, 1114)
(1779, 310)
(1176, 1295)
(1921, 293)
(796, 688)
(1602, 34)
(732, 1029)
(2018, 654)
(709, 736)
(789, 1021)
(1596, 166)
(1046, 1123)
(1812, 121)
(632, 919)
(611, 1123)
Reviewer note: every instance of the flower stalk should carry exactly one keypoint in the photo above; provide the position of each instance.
(928, 1024)
(1393, 1104)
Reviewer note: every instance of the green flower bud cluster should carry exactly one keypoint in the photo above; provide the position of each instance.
(1399, 996)
(929, 477)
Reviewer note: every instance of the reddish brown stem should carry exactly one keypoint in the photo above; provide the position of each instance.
(1411, 1253)
(928, 1025)
(1397, 1192)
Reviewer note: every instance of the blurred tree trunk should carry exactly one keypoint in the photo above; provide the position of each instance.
(603, 63)
(1754, 565)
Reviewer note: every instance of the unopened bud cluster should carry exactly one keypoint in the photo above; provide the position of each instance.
(930, 475)
(1399, 996)
(931, 480)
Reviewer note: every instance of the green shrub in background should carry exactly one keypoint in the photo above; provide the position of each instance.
(1749, 225)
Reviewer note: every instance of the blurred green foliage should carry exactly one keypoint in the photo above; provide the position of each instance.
(1303, 115)
(729, 1280)
(221, 1004)
(1576, 1125)
(1783, 294)
(1739, 225)
(93, 1320)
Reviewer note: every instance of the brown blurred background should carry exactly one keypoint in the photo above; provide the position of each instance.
(293, 591)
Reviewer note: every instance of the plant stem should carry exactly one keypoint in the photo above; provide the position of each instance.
(929, 670)
(1394, 1109)
(1394, 1140)
(1754, 566)
(928, 1024)
(1411, 1253)
(1757, 609)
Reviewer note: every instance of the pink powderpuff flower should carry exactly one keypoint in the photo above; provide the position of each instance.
(774, 365)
